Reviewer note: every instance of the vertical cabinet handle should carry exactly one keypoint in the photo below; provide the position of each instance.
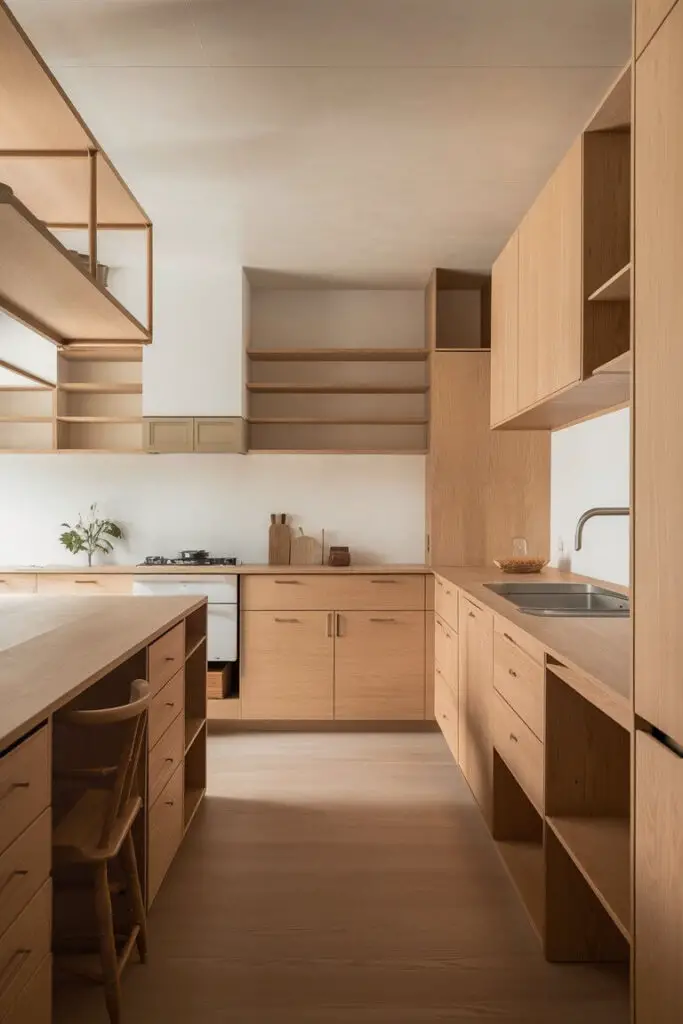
(330, 627)
(337, 618)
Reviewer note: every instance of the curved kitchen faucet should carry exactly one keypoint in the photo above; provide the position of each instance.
(590, 514)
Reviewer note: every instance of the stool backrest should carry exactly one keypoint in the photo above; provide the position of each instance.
(132, 718)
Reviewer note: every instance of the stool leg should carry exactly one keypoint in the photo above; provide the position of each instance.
(105, 922)
(130, 866)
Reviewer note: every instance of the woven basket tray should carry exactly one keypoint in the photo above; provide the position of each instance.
(520, 565)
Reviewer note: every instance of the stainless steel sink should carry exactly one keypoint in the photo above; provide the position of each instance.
(564, 599)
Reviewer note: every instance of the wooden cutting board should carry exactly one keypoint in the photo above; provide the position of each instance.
(305, 550)
(279, 540)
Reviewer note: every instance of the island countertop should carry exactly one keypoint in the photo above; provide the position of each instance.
(53, 648)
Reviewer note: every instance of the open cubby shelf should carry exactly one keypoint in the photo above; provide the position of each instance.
(338, 389)
(616, 289)
(193, 727)
(600, 849)
(99, 399)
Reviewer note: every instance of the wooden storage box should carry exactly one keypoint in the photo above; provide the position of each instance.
(217, 683)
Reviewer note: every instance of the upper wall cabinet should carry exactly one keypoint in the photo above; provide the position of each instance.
(561, 286)
(458, 311)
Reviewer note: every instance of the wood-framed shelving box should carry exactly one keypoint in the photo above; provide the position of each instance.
(588, 824)
(336, 370)
(55, 176)
(99, 398)
(196, 677)
(27, 419)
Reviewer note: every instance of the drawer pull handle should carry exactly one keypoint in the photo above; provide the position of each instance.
(449, 592)
(512, 673)
(472, 615)
(286, 620)
(169, 760)
(169, 657)
(169, 803)
(287, 583)
(513, 738)
(87, 583)
(382, 620)
(11, 878)
(384, 581)
(508, 637)
(15, 785)
(14, 965)
(170, 703)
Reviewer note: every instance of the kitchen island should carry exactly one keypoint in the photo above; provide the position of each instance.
(64, 651)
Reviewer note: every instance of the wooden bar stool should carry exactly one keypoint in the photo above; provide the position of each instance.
(97, 828)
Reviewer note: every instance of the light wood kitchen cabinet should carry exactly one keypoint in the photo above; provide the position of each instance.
(475, 695)
(198, 434)
(85, 584)
(658, 364)
(219, 434)
(287, 665)
(658, 905)
(649, 15)
(18, 583)
(166, 434)
(550, 295)
(483, 488)
(505, 332)
(379, 666)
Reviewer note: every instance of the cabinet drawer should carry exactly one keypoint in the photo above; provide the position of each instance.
(443, 645)
(446, 713)
(372, 592)
(166, 756)
(84, 584)
(24, 946)
(520, 680)
(24, 867)
(166, 655)
(34, 1002)
(520, 749)
(165, 831)
(18, 583)
(24, 785)
(165, 706)
(517, 636)
(446, 601)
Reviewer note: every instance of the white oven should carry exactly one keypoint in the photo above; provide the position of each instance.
(221, 591)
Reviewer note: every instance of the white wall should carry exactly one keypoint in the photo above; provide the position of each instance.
(375, 504)
(590, 466)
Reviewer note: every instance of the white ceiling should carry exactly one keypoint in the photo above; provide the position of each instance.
(358, 139)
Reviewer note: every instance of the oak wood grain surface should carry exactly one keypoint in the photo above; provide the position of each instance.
(343, 879)
(53, 648)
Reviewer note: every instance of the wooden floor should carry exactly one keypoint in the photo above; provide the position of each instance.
(338, 878)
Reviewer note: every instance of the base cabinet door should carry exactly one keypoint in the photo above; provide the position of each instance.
(658, 895)
(380, 666)
(287, 665)
(475, 692)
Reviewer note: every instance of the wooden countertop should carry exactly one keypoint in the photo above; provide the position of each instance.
(53, 648)
(599, 649)
(243, 570)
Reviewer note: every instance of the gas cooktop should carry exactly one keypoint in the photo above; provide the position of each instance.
(199, 559)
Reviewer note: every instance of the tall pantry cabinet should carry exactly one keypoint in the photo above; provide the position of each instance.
(658, 503)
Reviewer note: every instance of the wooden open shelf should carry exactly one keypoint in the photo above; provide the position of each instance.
(518, 832)
(620, 364)
(38, 118)
(193, 726)
(193, 798)
(338, 389)
(600, 848)
(43, 286)
(338, 355)
(345, 422)
(616, 289)
(99, 399)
